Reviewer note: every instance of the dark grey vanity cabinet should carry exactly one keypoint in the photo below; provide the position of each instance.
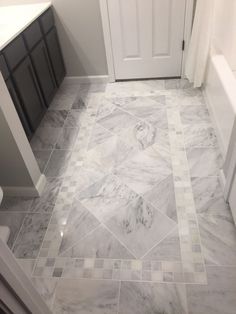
(33, 68)
(55, 55)
(43, 68)
(29, 92)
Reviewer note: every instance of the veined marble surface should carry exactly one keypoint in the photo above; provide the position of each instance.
(133, 200)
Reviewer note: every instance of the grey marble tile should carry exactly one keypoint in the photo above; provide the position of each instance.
(200, 135)
(204, 162)
(208, 196)
(105, 108)
(151, 109)
(45, 138)
(143, 135)
(79, 223)
(106, 196)
(109, 154)
(117, 121)
(167, 250)
(140, 298)
(93, 87)
(99, 244)
(178, 84)
(31, 235)
(46, 287)
(46, 202)
(139, 226)
(218, 297)
(87, 297)
(27, 265)
(194, 114)
(162, 196)
(75, 118)
(67, 138)
(184, 98)
(42, 157)
(218, 235)
(64, 97)
(58, 163)
(99, 135)
(15, 204)
(54, 119)
(146, 169)
(14, 221)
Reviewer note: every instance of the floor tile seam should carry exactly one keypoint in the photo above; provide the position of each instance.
(169, 116)
(166, 236)
(118, 298)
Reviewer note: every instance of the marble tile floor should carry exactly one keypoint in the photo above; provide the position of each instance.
(133, 218)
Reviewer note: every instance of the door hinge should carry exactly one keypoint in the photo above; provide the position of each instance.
(183, 45)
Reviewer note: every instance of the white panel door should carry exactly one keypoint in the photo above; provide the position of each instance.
(147, 37)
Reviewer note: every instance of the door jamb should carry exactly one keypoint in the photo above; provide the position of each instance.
(108, 40)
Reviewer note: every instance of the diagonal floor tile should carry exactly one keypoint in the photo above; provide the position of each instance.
(146, 169)
(218, 235)
(218, 297)
(143, 135)
(99, 244)
(99, 135)
(194, 114)
(139, 226)
(46, 287)
(87, 297)
(117, 121)
(148, 298)
(106, 196)
(167, 250)
(45, 138)
(200, 135)
(162, 196)
(79, 223)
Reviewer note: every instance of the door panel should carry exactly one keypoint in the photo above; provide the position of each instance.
(147, 37)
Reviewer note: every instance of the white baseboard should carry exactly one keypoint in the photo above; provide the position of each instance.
(25, 191)
(92, 79)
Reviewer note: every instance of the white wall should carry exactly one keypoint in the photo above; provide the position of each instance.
(80, 30)
(224, 30)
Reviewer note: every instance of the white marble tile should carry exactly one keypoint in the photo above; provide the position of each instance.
(117, 121)
(146, 169)
(45, 138)
(218, 296)
(31, 235)
(99, 135)
(99, 244)
(140, 298)
(199, 135)
(58, 163)
(182, 98)
(139, 226)
(67, 138)
(204, 162)
(208, 196)
(54, 119)
(218, 235)
(167, 250)
(87, 297)
(194, 114)
(42, 158)
(106, 197)
(178, 84)
(162, 196)
(46, 287)
(79, 223)
(64, 97)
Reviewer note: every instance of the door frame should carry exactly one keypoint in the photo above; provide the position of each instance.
(189, 9)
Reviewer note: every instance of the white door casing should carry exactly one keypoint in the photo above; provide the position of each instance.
(143, 38)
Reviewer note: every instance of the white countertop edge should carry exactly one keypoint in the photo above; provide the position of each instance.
(11, 38)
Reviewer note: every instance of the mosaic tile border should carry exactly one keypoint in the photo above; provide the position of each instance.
(117, 269)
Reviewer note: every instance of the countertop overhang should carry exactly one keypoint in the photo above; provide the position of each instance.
(16, 18)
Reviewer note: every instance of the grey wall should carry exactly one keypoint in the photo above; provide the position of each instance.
(80, 31)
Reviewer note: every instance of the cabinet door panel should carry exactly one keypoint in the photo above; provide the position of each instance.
(55, 54)
(44, 71)
(18, 107)
(29, 92)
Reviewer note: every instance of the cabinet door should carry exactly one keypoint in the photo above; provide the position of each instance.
(55, 54)
(29, 92)
(44, 71)
(18, 107)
